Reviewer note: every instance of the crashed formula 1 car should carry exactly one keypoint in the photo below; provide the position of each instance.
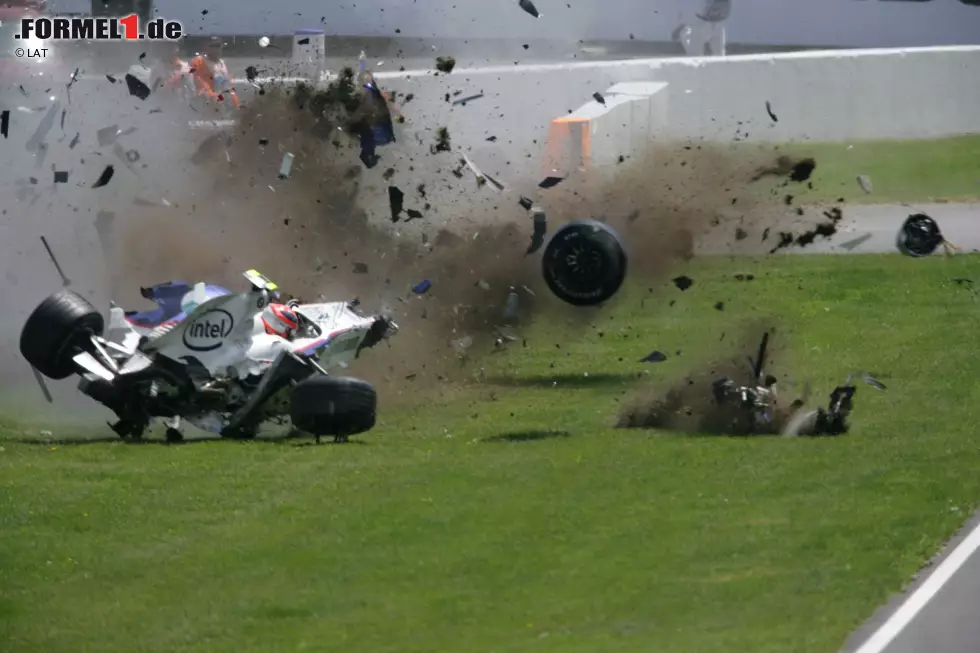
(224, 362)
(757, 403)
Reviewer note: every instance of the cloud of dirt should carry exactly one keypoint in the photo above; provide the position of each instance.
(310, 234)
(689, 406)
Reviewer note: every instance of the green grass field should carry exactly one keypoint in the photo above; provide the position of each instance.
(510, 516)
(946, 169)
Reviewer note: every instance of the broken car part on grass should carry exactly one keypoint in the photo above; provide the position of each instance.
(758, 410)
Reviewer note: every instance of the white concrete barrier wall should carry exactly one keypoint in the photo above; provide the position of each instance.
(846, 23)
(818, 96)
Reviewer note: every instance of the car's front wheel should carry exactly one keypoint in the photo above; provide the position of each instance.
(334, 406)
(58, 328)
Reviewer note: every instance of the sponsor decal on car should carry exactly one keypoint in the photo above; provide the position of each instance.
(208, 331)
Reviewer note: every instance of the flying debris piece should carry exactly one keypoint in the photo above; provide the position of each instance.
(286, 166)
(445, 64)
(108, 135)
(74, 141)
(111, 79)
(412, 215)
(512, 308)
(137, 87)
(468, 98)
(132, 156)
(105, 177)
(396, 202)
(654, 357)
(772, 115)
(422, 287)
(118, 150)
(551, 182)
(251, 73)
(65, 281)
(360, 268)
(525, 203)
(443, 142)
(540, 229)
(494, 183)
(37, 140)
(64, 112)
(597, 96)
(41, 384)
(802, 170)
(368, 156)
(303, 41)
(529, 7)
(60, 177)
(854, 243)
(481, 177)
(919, 236)
(4, 122)
(864, 181)
(867, 378)
(103, 227)
(683, 283)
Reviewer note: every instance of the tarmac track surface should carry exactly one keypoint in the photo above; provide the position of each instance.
(869, 229)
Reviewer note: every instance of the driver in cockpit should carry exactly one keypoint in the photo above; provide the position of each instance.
(280, 320)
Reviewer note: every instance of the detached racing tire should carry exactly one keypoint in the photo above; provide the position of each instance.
(336, 406)
(584, 263)
(56, 330)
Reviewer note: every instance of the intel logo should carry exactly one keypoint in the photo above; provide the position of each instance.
(208, 331)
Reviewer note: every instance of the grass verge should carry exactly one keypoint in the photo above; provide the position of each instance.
(901, 171)
(510, 516)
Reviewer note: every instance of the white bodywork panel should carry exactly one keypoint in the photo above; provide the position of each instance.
(226, 334)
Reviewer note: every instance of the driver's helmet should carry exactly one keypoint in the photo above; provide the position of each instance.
(280, 320)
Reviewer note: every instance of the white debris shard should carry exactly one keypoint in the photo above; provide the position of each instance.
(286, 166)
(864, 181)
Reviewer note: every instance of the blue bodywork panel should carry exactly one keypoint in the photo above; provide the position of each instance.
(167, 296)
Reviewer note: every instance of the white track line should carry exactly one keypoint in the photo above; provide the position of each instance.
(921, 597)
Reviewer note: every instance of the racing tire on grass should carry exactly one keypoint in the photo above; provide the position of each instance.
(584, 263)
(335, 406)
(57, 329)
